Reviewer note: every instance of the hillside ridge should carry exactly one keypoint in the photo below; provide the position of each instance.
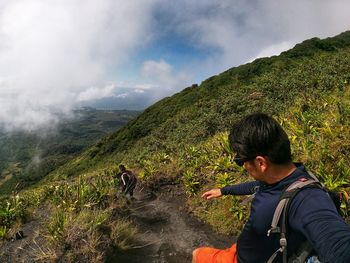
(195, 109)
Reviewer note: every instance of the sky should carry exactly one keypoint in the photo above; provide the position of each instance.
(57, 55)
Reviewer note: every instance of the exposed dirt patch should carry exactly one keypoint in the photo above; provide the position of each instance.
(169, 232)
(32, 245)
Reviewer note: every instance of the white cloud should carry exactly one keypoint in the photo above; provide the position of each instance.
(273, 50)
(122, 95)
(153, 68)
(240, 30)
(142, 86)
(52, 52)
(139, 91)
(165, 80)
(95, 93)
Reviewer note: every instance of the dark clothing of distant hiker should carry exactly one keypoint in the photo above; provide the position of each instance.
(263, 148)
(127, 179)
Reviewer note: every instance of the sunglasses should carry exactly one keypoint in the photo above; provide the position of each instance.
(241, 160)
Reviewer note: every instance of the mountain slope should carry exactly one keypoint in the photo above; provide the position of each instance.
(198, 112)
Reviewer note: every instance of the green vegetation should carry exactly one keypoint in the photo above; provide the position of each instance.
(183, 139)
(197, 113)
(88, 217)
(26, 157)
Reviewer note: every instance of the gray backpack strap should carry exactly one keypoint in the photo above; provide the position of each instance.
(314, 177)
(284, 202)
(276, 217)
(281, 208)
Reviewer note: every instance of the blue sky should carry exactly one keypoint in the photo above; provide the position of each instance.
(56, 55)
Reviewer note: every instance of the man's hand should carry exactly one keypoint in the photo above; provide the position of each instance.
(213, 193)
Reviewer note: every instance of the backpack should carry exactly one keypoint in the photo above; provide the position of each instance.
(129, 181)
(280, 217)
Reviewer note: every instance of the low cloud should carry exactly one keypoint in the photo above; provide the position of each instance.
(272, 50)
(123, 95)
(57, 53)
(165, 80)
(138, 91)
(95, 93)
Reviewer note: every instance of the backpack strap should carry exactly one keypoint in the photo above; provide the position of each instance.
(125, 178)
(279, 220)
(314, 178)
(284, 200)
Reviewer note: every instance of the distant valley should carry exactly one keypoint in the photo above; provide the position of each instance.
(26, 157)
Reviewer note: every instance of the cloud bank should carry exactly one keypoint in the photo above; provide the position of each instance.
(239, 31)
(163, 78)
(55, 53)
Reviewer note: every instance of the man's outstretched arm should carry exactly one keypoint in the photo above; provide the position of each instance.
(247, 188)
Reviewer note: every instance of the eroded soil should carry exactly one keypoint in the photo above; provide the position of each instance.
(169, 232)
(32, 246)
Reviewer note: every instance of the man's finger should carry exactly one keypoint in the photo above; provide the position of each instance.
(205, 194)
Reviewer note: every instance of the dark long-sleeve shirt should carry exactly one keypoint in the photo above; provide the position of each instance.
(247, 188)
(312, 216)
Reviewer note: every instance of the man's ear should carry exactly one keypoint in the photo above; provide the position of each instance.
(262, 163)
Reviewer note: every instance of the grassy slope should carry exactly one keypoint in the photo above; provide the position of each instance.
(25, 157)
(196, 113)
(305, 87)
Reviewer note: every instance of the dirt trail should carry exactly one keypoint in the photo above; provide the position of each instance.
(170, 233)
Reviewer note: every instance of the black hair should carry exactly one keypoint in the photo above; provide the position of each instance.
(260, 134)
(122, 168)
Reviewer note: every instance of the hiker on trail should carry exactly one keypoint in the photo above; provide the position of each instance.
(128, 180)
(263, 148)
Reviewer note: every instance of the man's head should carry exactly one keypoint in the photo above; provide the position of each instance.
(122, 168)
(260, 135)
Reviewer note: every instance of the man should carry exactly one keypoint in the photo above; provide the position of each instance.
(128, 180)
(263, 148)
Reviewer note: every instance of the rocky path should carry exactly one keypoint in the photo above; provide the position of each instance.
(169, 232)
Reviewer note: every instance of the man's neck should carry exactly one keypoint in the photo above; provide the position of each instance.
(277, 172)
